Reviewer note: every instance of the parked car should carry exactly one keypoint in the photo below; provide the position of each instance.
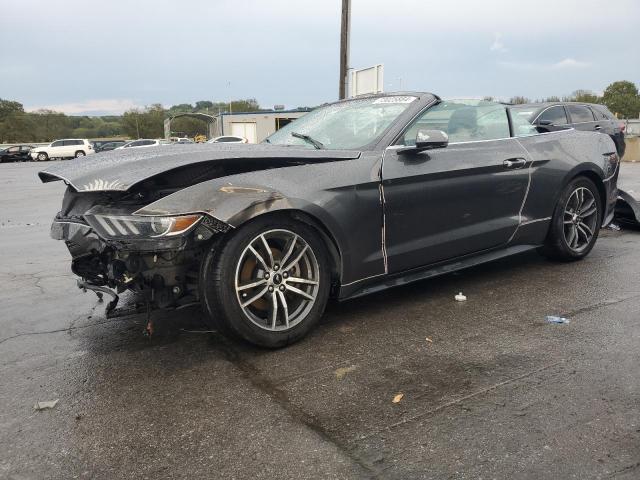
(354, 197)
(228, 139)
(183, 140)
(589, 117)
(143, 142)
(15, 153)
(66, 148)
(108, 146)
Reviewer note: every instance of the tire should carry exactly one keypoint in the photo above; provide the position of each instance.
(575, 225)
(229, 269)
(79, 153)
(43, 157)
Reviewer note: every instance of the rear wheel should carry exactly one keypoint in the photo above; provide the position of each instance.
(576, 221)
(80, 153)
(43, 157)
(268, 283)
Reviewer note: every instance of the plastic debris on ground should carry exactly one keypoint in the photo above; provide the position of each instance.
(429, 340)
(398, 397)
(46, 404)
(460, 297)
(554, 319)
(613, 226)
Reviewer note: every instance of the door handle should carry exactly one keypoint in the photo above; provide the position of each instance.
(514, 163)
(597, 127)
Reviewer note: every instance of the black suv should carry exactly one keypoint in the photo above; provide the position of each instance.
(590, 117)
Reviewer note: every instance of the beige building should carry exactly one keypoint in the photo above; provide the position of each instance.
(254, 126)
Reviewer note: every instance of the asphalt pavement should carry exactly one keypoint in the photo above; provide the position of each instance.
(486, 388)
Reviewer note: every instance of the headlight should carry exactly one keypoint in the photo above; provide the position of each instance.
(137, 226)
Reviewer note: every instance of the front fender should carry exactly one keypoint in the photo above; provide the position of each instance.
(344, 202)
(227, 202)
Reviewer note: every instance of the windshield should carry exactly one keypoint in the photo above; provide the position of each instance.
(526, 112)
(346, 125)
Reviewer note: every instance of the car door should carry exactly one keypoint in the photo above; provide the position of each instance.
(13, 154)
(464, 198)
(24, 152)
(70, 147)
(602, 123)
(582, 118)
(552, 119)
(56, 149)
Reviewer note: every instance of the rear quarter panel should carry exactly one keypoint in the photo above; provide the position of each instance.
(557, 158)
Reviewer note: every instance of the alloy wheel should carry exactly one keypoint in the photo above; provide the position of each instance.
(42, 157)
(277, 280)
(580, 219)
(80, 154)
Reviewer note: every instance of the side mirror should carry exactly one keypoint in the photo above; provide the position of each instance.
(429, 139)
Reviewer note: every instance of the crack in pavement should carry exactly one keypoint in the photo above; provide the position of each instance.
(259, 381)
(595, 306)
(58, 330)
(626, 469)
(457, 401)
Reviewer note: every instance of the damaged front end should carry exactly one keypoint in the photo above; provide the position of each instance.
(114, 249)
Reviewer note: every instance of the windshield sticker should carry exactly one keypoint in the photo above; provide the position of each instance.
(395, 100)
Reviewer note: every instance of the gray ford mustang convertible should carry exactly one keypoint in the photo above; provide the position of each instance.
(354, 197)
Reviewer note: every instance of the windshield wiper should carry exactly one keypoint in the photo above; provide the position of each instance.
(308, 139)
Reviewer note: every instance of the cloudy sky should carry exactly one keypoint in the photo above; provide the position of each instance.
(96, 56)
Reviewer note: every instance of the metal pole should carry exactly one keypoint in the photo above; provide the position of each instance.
(345, 32)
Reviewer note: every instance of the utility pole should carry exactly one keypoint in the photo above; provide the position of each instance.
(345, 32)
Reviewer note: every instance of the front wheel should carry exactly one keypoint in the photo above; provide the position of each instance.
(575, 223)
(268, 283)
(43, 157)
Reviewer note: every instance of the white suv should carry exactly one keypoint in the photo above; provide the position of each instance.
(67, 148)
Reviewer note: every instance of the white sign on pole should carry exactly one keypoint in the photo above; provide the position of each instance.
(367, 80)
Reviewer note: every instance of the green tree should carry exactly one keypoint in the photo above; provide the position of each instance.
(50, 125)
(584, 96)
(144, 123)
(203, 105)
(518, 100)
(180, 108)
(622, 99)
(9, 107)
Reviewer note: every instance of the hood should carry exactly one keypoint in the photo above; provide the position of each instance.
(119, 170)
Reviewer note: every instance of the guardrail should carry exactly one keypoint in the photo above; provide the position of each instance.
(5, 145)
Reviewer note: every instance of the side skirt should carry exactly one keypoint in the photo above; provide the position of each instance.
(404, 278)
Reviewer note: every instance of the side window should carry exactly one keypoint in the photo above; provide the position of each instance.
(522, 127)
(79, 142)
(69, 142)
(463, 121)
(14, 149)
(556, 115)
(580, 114)
(59, 143)
(25, 148)
(599, 114)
